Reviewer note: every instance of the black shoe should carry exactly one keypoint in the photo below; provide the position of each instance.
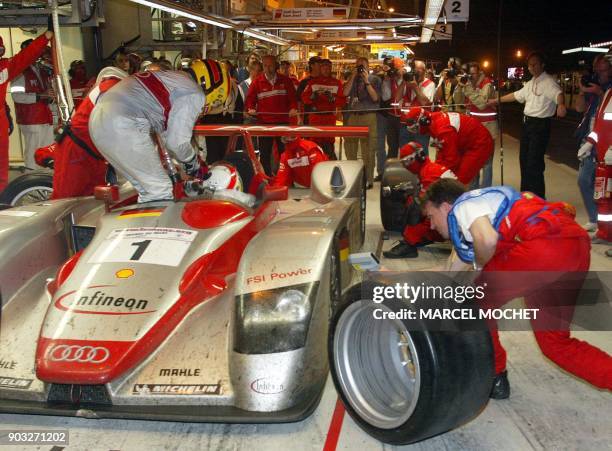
(378, 178)
(423, 243)
(370, 185)
(501, 387)
(402, 250)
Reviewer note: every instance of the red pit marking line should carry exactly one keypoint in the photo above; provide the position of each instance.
(278, 275)
(333, 434)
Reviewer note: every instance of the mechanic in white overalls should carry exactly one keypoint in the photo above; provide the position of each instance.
(168, 103)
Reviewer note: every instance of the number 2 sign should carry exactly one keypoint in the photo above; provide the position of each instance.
(457, 10)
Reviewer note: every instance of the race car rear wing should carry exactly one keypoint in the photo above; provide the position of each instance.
(304, 131)
(248, 131)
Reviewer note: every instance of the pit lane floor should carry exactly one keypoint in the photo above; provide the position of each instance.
(548, 408)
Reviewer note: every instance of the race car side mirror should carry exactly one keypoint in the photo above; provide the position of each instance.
(272, 193)
(107, 193)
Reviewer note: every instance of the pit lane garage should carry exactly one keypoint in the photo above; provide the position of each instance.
(245, 339)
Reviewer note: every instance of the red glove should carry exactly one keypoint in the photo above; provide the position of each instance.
(45, 155)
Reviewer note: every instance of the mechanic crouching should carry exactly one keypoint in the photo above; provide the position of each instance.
(415, 159)
(297, 162)
(167, 103)
(501, 230)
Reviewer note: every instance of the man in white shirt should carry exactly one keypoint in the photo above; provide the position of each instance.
(542, 97)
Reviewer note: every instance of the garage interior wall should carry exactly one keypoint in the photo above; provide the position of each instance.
(72, 46)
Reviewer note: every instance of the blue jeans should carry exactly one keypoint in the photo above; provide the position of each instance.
(487, 176)
(586, 182)
(381, 152)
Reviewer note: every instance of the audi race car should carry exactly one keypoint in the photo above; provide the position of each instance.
(201, 309)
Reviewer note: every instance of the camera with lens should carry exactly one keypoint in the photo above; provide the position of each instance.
(408, 76)
(360, 69)
(464, 78)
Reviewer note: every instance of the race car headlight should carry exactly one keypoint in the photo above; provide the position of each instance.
(274, 320)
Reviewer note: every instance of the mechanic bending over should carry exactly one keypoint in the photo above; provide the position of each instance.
(531, 235)
(168, 103)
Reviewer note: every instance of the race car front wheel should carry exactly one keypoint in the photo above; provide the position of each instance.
(400, 385)
(27, 189)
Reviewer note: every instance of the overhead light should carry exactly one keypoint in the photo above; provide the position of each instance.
(432, 12)
(265, 37)
(584, 49)
(602, 44)
(296, 31)
(375, 37)
(175, 9)
(391, 10)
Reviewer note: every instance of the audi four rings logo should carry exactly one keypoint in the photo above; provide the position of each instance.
(78, 353)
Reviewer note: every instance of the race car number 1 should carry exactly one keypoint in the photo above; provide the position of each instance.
(158, 246)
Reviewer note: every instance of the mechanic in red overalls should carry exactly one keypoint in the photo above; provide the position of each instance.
(32, 94)
(10, 68)
(502, 231)
(79, 84)
(463, 144)
(324, 95)
(414, 159)
(601, 139)
(78, 165)
(297, 162)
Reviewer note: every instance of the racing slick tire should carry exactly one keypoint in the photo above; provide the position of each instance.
(29, 188)
(393, 212)
(402, 385)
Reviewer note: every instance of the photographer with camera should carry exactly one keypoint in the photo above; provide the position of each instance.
(592, 87)
(478, 89)
(363, 93)
(417, 91)
(449, 92)
(389, 115)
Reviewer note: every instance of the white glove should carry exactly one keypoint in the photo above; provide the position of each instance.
(585, 150)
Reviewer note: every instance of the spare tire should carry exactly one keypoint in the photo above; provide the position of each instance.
(393, 212)
(30, 188)
(400, 385)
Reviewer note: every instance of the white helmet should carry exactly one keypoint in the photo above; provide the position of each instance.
(223, 176)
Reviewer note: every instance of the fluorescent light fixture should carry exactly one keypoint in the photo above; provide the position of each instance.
(375, 37)
(584, 49)
(296, 31)
(432, 12)
(602, 44)
(174, 9)
(265, 37)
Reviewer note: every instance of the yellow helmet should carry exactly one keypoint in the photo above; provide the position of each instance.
(214, 79)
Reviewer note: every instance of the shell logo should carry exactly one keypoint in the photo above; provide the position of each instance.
(124, 273)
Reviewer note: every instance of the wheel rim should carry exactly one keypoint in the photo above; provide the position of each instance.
(32, 195)
(377, 366)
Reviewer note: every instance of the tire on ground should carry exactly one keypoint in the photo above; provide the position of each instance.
(456, 375)
(393, 212)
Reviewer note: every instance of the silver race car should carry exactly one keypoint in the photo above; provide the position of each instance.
(199, 310)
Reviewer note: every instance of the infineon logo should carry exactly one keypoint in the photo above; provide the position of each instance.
(102, 300)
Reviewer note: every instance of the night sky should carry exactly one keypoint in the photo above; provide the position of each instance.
(548, 26)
